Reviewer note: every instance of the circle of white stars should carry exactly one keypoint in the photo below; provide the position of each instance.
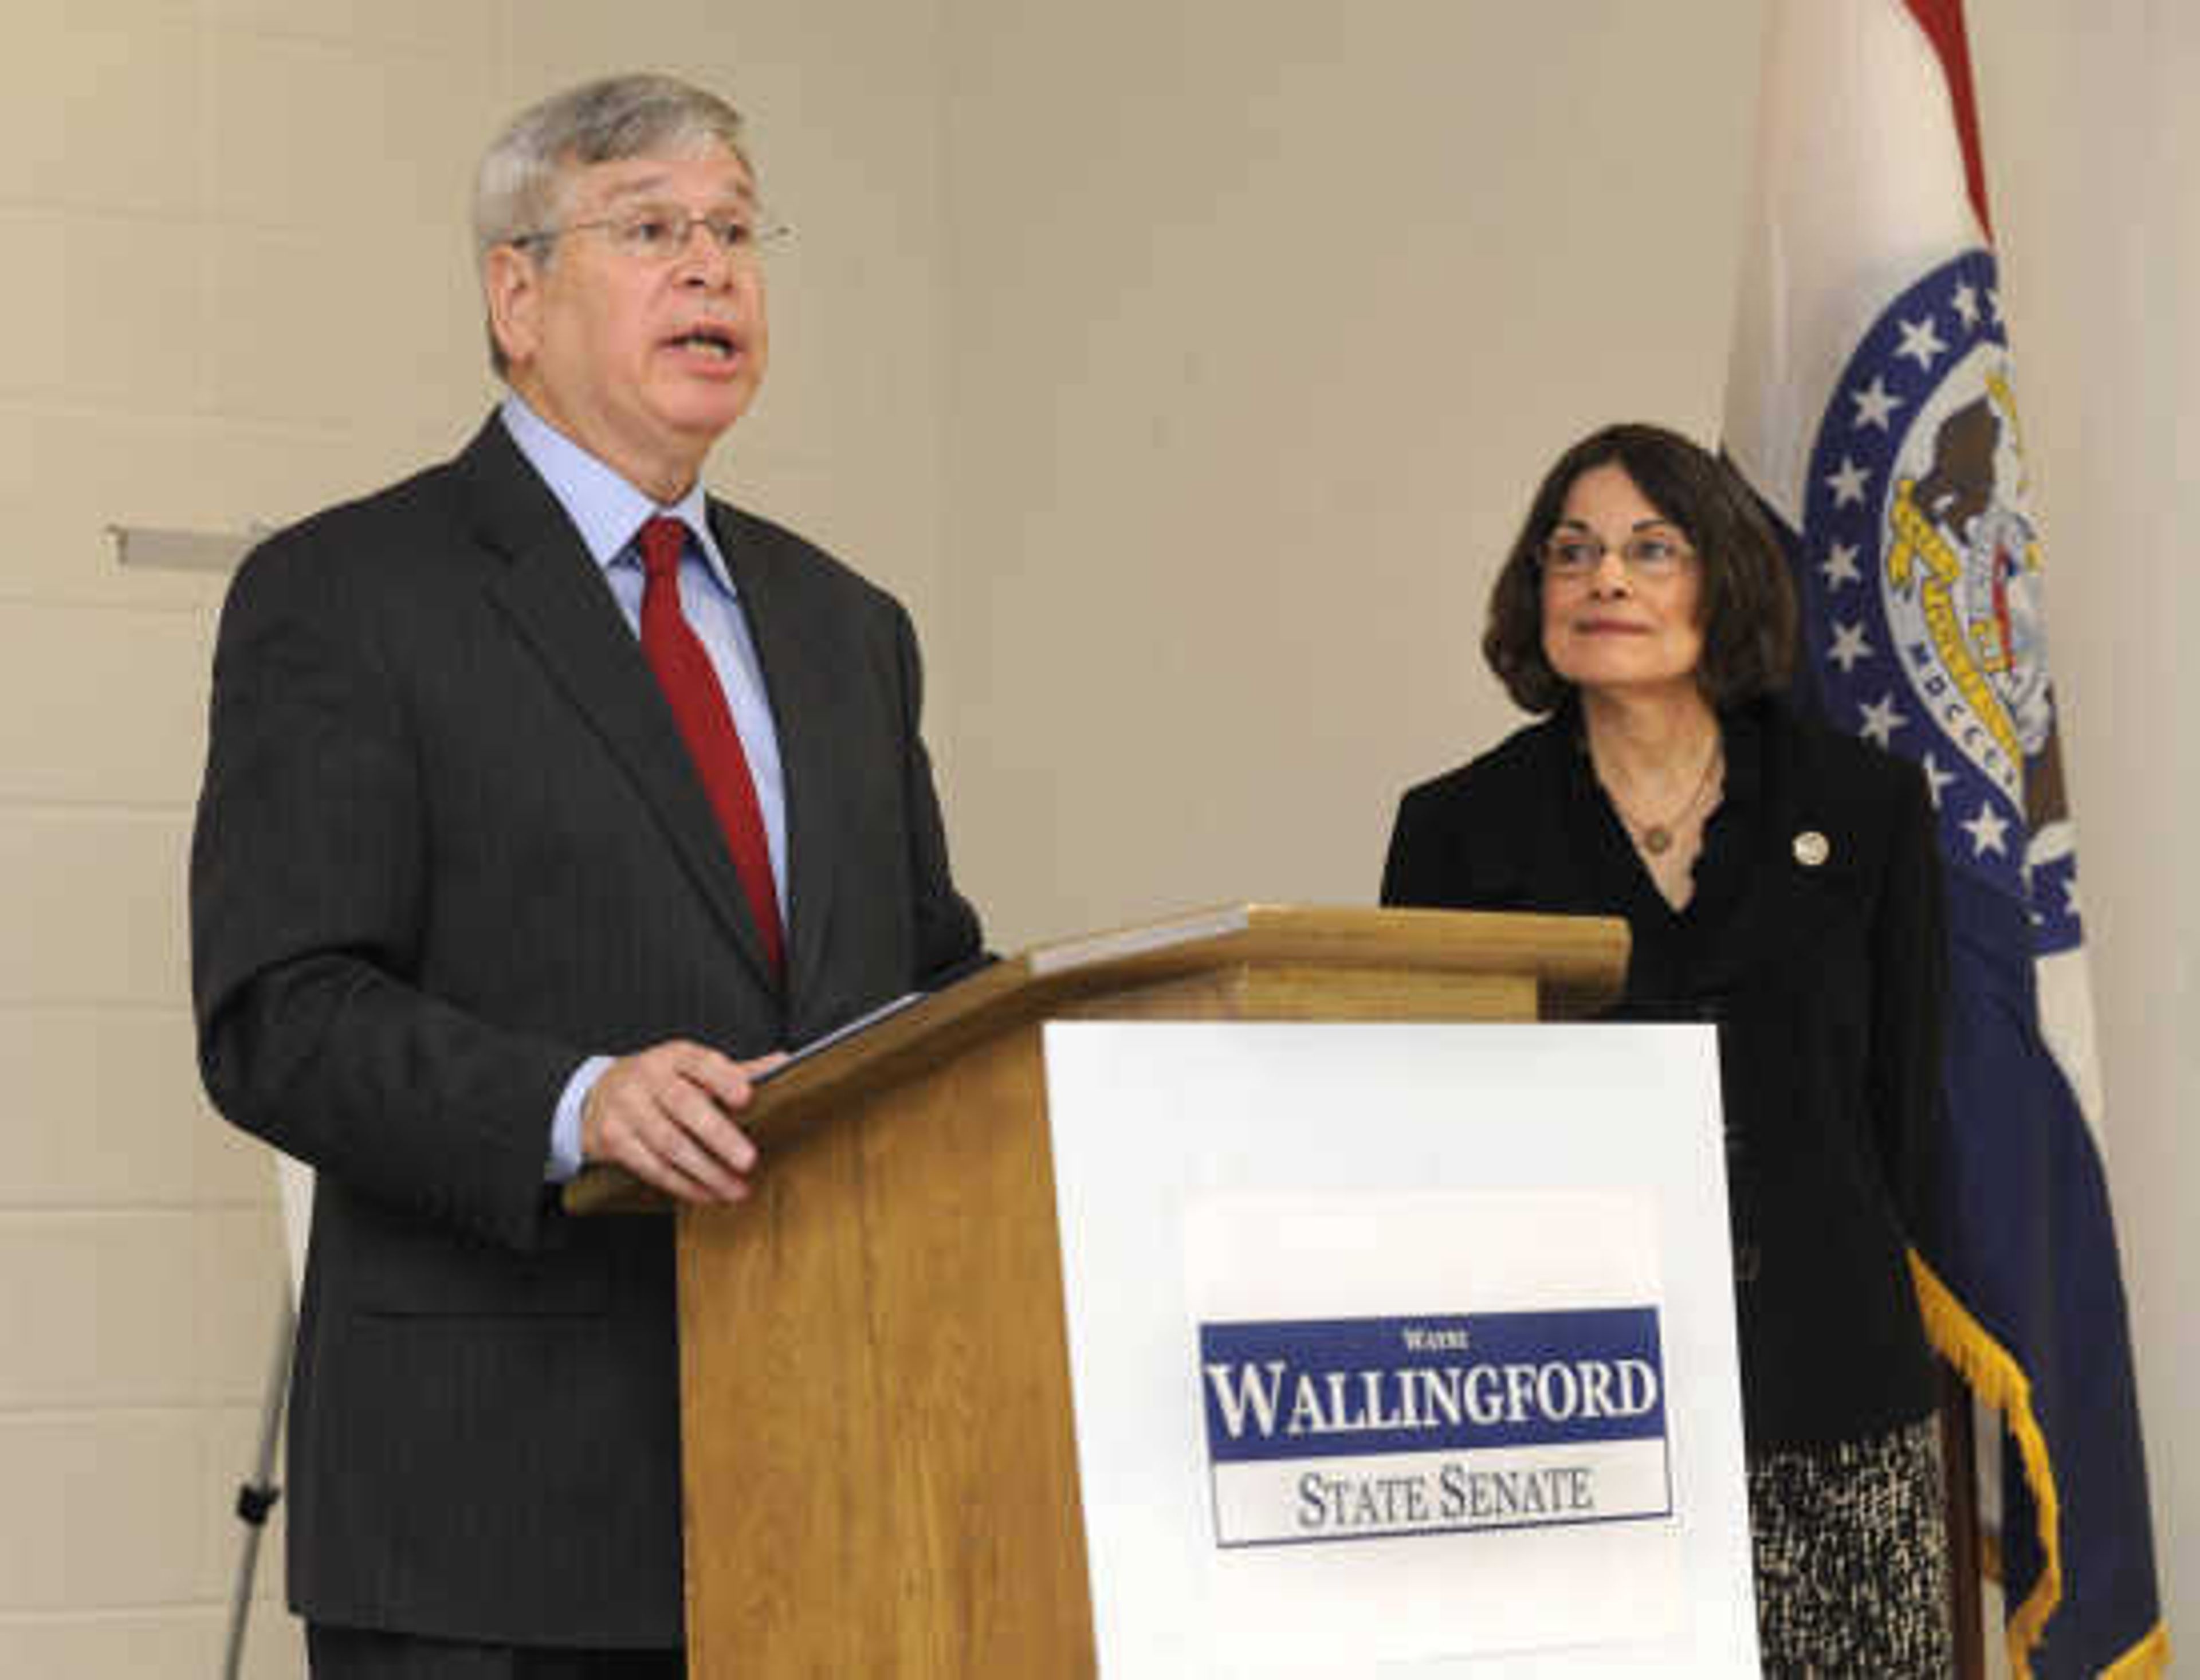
(1840, 566)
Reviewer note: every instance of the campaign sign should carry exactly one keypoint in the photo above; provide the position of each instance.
(1402, 1351)
(1348, 1429)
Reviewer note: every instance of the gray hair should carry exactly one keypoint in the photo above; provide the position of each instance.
(521, 185)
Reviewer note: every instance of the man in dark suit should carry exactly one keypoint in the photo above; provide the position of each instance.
(546, 797)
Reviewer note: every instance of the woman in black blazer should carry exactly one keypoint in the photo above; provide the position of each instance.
(1781, 881)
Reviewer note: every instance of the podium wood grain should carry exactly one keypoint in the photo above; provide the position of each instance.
(875, 1365)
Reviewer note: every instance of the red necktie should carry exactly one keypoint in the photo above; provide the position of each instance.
(698, 706)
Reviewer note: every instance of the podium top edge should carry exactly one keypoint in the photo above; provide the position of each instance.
(1578, 963)
(1591, 950)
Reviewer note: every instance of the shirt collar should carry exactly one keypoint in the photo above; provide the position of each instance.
(605, 509)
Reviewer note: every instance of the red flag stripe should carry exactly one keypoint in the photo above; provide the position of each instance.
(1942, 20)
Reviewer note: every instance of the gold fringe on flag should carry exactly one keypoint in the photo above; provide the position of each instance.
(2000, 1383)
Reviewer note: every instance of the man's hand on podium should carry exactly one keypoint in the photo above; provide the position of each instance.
(664, 1114)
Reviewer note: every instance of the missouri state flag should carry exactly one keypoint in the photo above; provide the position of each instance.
(1872, 404)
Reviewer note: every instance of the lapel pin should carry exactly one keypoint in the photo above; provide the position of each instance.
(1811, 849)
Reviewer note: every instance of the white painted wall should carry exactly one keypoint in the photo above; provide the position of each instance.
(2091, 142)
(1186, 364)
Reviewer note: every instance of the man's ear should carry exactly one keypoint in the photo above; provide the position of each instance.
(511, 287)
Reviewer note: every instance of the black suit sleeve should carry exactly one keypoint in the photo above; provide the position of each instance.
(1456, 842)
(1415, 872)
(1909, 977)
(947, 935)
(308, 888)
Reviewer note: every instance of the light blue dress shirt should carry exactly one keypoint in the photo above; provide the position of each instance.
(607, 511)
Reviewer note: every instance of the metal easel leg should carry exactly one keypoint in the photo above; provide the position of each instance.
(257, 1497)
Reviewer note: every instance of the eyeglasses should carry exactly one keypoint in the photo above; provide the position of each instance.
(1648, 555)
(658, 234)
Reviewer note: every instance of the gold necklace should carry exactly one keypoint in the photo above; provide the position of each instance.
(1657, 838)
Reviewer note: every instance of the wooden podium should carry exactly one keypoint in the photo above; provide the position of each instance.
(881, 1470)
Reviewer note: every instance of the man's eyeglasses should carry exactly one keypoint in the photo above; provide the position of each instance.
(658, 234)
(1649, 554)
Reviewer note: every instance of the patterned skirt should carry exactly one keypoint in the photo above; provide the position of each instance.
(1851, 1554)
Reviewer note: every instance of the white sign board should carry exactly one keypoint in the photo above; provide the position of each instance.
(1402, 1349)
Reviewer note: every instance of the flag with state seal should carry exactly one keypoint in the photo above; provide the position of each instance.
(1872, 406)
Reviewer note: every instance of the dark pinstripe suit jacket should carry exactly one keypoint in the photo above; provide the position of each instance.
(448, 844)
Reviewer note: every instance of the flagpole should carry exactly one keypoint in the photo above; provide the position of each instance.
(1959, 1475)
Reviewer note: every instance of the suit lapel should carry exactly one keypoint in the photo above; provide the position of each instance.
(805, 706)
(555, 595)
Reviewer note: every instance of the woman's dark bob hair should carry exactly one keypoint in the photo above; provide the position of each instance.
(1748, 604)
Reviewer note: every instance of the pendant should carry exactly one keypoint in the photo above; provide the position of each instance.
(1657, 839)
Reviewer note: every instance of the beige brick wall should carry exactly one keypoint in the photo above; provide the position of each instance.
(178, 346)
(238, 286)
